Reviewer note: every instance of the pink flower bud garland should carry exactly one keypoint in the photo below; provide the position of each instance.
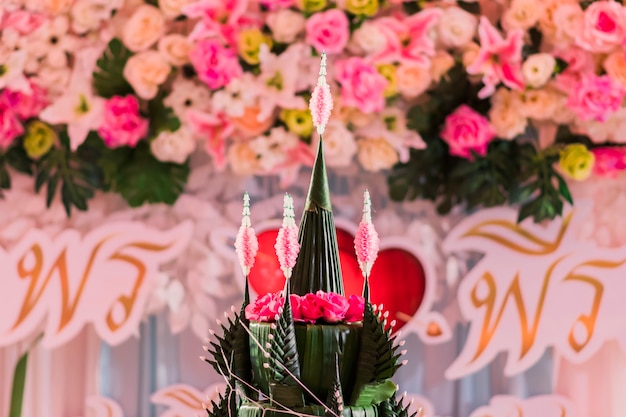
(321, 103)
(246, 243)
(287, 246)
(366, 238)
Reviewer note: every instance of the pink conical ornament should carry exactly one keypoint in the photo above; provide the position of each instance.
(321, 103)
(246, 243)
(287, 246)
(366, 238)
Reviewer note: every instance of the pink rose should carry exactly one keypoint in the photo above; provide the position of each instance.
(215, 64)
(311, 308)
(26, 105)
(609, 161)
(265, 308)
(328, 31)
(362, 86)
(604, 27)
(355, 309)
(596, 97)
(22, 21)
(296, 308)
(122, 125)
(334, 306)
(10, 126)
(465, 131)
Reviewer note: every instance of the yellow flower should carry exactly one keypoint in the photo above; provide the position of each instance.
(362, 7)
(298, 122)
(39, 139)
(310, 6)
(576, 161)
(389, 72)
(249, 43)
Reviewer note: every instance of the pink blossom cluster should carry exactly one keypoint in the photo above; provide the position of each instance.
(319, 307)
(239, 73)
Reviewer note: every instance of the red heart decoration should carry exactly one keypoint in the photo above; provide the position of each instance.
(397, 280)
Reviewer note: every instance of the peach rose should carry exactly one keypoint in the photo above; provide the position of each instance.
(339, 144)
(242, 159)
(249, 124)
(173, 8)
(413, 79)
(504, 114)
(615, 66)
(175, 48)
(145, 72)
(143, 28)
(441, 63)
(522, 14)
(376, 154)
(539, 104)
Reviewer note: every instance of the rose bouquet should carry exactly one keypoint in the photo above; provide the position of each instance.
(471, 103)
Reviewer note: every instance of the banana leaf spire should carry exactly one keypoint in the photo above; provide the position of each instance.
(317, 267)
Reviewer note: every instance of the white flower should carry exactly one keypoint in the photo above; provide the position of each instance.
(145, 72)
(368, 39)
(12, 71)
(271, 149)
(239, 94)
(612, 130)
(285, 25)
(456, 27)
(175, 48)
(143, 28)
(185, 95)
(173, 8)
(52, 42)
(537, 69)
(339, 144)
(173, 146)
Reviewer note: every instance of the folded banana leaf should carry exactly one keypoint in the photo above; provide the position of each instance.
(317, 346)
(267, 410)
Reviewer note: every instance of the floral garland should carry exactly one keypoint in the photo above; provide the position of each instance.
(465, 106)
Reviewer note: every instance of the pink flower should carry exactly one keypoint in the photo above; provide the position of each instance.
(26, 105)
(328, 31)
(215, 128)
(466, 131)
(334, 306)
(10, 126)
(213, 11)
(604, 27)
(265, 308)
(596, 97)
(499, 60)
(122, 125)
(22, 21)
(215, 64)
(361, 85)
(609, 161)
(311, 308)
(419, 27)
(355, 310)
(296, 308)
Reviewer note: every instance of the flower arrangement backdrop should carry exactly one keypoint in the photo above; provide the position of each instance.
(457, 102)
(467, 104)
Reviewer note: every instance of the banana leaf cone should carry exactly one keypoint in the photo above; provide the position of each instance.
(317, 266)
